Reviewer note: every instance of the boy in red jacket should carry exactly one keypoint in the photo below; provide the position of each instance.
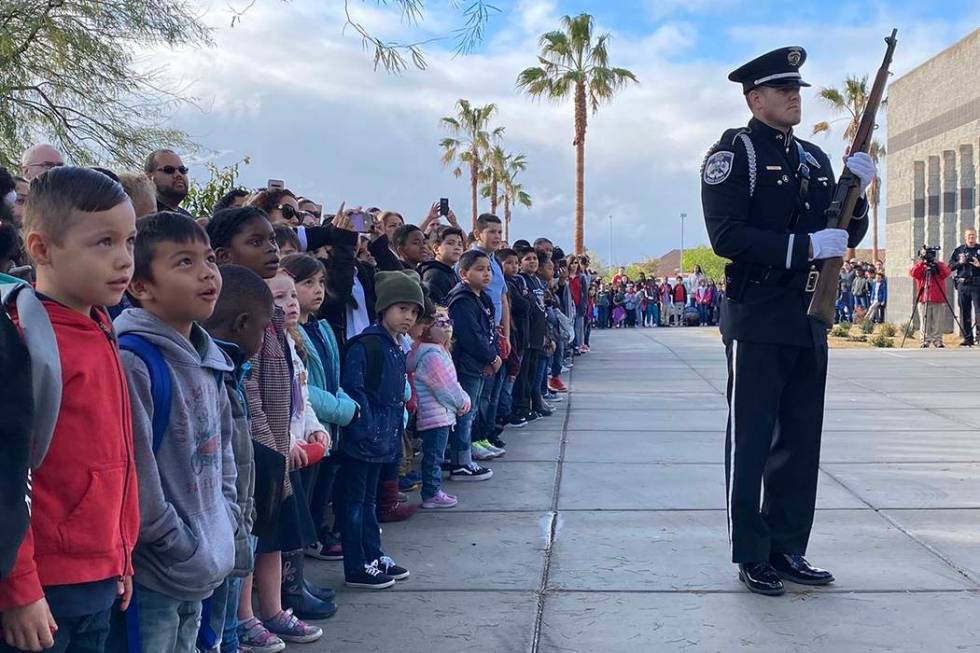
(75, 559)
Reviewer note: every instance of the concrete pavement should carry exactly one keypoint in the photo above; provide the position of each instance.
(604, 528)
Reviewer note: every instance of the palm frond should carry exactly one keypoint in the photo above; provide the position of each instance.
(820, 127)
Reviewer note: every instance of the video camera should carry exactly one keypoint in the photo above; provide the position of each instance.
(928, 255)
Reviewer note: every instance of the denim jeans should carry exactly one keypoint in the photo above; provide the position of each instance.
(229, 638)
(164, 623)
(86, 634)
(214, 613)
(541, 377)
(433, 448)
(505, 407)
(460, 454)
(360, 535)
(556, 361)
(704, 314)
(486, 419)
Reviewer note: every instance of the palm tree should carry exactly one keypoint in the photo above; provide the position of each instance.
(494, 169)
(469, 142)
(513, 192)
(575, 64)
(851, 101)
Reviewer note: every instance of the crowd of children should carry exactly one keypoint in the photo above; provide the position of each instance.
(249, 412)
(684, 300)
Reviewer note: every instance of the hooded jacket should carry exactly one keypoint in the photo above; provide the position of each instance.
(440, 396)
(475, 333)
(376, 436)
(438, 279)
(85, 505)
(330, 403)
(188, 508)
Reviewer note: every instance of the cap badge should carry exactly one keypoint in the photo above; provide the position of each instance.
(794, 56)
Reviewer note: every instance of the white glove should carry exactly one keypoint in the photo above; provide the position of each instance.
(861, 164)
(828, 243)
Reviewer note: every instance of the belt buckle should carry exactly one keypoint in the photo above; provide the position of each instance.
(811, 280)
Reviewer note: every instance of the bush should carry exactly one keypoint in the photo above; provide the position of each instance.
(867, 327)
(881, 340)
(860, 338)
(888, 330)
(841, 330)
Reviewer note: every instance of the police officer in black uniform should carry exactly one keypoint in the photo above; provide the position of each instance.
(965, 264)
(764, 192)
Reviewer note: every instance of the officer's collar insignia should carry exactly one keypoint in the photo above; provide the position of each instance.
(718, 167)
(812, 160)
(793, 57)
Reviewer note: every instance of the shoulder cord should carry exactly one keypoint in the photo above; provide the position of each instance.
(750, 153)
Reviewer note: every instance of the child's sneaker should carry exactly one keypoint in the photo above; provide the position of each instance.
(332, 552)
(372, 578)
(495, 452)
(389, 568)
(256, 638)
(471, 472)
(518, 421)
(479, 452)
(291, 629)
(440, 500)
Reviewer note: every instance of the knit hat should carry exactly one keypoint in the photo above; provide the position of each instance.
(396, 287)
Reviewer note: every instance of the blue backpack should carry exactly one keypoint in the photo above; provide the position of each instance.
(161, 391)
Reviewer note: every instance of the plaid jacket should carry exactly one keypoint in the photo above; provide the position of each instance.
(269, 391)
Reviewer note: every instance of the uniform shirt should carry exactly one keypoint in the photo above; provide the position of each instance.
(755, 216)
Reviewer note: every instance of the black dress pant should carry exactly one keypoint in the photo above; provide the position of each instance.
(969, 298)
(522, 396)
(772, 449)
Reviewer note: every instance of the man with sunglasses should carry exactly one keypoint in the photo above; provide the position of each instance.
(169, 175)
(40, 158)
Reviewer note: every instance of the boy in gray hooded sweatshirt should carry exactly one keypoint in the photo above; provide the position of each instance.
(186, 471)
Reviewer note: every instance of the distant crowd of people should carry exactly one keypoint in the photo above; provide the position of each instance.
(682, 300)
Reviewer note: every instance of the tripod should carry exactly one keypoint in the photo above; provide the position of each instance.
(927, 282)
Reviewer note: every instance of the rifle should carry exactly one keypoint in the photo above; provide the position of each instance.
(838, 214)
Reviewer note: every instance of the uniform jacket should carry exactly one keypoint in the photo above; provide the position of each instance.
(84, 502)
(965, 272)
(376, 435)
(755, 216)
(439, 394)
(474, 330)
(188, 508)
(935, 291)
(438, 279)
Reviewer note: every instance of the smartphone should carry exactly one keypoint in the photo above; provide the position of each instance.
(443, 206)
(362, 222)
(275, 184)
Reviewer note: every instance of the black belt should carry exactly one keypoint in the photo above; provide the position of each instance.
(798, 279)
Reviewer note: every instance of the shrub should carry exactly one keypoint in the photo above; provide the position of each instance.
(888, 329)
(867, 327)
(881, 340)
(908, 328)
(841, 330)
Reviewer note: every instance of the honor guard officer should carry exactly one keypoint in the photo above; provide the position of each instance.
(764, 192)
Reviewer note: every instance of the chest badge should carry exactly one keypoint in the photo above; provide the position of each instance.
(812, 160)
(718, 167)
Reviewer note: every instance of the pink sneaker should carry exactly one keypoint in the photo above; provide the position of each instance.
(440, 500)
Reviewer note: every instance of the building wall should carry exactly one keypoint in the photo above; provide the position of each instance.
(931, 158)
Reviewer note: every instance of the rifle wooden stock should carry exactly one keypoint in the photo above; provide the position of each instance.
(846, 195)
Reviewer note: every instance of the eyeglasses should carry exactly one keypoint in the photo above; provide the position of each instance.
(443, 322)
(47, 165)
(169, 170)
(288, 211)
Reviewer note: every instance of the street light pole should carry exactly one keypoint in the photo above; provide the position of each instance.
(683, 215)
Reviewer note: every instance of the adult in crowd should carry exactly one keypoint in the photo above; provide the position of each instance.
(774, 233)
(930, 290)
(965, 264)
(40, 158)
(169, 174)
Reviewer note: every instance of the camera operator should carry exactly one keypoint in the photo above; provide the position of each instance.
(930, 275)
(965, 263)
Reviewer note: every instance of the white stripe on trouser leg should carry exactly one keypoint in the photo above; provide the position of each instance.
(731, 443)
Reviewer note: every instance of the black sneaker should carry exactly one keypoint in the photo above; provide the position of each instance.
(546, 411)
(940, 345)
(518, 422)
(389, 568)
(497, 442)
(533, 415)
(471, 472)
(372, 578)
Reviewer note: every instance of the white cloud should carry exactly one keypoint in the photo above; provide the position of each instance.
(303, 100)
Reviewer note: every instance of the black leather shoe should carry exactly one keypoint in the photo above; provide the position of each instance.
(796, 569)
(761, 578)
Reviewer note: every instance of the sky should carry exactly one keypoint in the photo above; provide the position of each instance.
(293, 90)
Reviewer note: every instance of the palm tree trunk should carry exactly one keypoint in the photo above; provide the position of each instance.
(506, 218)
(474, 166)
(580, 123)
(493, 195)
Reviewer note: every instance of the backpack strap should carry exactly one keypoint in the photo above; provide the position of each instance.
(161, 384)
(38, 334)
